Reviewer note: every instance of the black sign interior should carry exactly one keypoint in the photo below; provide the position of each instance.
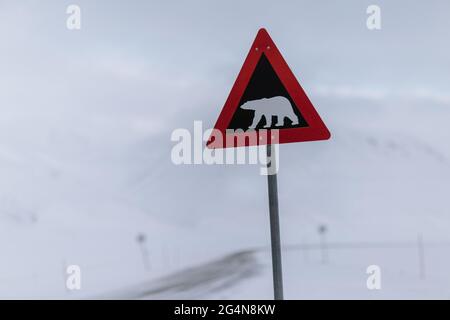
(266, 103)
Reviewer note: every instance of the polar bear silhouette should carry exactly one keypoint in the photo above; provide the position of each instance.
(268, 108)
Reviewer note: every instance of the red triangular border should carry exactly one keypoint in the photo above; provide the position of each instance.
(316, 129)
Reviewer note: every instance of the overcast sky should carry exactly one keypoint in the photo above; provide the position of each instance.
(179, 59)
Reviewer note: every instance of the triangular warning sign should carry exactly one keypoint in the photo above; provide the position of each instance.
(266, 97)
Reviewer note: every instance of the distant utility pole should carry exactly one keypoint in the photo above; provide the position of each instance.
(141, 239)
(421, 252)
(323, 244)
(305, 250)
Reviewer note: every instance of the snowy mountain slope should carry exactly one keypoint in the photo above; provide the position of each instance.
(360, 184)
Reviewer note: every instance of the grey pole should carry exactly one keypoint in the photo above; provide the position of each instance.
(274, 226)
(421, 251)
(323, 243)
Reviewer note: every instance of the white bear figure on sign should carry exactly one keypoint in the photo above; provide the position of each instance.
(278, 107)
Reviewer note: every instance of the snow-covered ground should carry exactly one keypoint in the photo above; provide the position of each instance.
(365, 186)
(85, 125)
(307, 275)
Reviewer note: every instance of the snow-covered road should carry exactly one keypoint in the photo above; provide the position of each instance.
(197, 282)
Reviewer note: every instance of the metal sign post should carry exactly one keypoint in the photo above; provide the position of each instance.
(274, 225)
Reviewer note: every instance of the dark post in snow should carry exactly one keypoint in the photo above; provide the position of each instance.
(141, 239)
(421, 251)
(323, 244)
(274, 224)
